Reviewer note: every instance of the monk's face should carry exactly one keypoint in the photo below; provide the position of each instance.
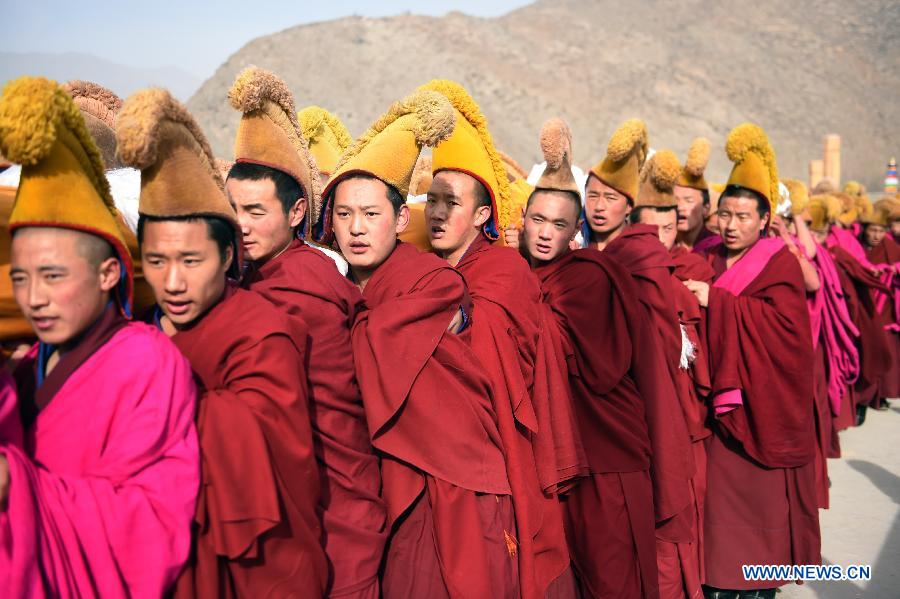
(820, 235)
(183, 265)
(606, 208)
(551, 221)
(740, 224)
(453, 218)
(265, 227)
(665, 220)
(60, 282)
(365, 223)
(691, 209)
(895, 228)
(874, 235)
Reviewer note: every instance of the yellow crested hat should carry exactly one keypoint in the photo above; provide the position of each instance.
(63, 182)
(519, 187)
(625, 155)
(799, 195)
(326, 135)
(270, 135)
(695, 165)
(179, 176)
(658, 179)
(884, 212)
(754, 162)
(824, 210)
(470, 150)
(390, 148)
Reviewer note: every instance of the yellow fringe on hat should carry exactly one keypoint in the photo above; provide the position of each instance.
(463, 102)
(435, 120)
(749, 138)
(631, 134)
(315, 120)
(799, 195)
(854, 188)
(138, 130)
(32, 111)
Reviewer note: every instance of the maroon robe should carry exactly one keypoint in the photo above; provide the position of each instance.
(304, 282)
(429, 411)
(874, 353)
(640, 251)
(761, 498)
(609, 349)
(506, 329)
(257, 530)
(888, 253)
(693, 389)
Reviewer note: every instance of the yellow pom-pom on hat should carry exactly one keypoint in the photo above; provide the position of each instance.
(695, 165)
(390, 148)
(326, 135)
(179, 175)
(658, 179)
(625, 155)
(63, 182)
(556, 145)
(754, 162)
(799, 195)
(269, 133)
(470, 150)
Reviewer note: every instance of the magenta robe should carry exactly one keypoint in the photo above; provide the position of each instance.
(103, 487)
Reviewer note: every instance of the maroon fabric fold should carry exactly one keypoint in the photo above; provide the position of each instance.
(304, 283)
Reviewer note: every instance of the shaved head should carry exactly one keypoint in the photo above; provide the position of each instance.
(94, 249)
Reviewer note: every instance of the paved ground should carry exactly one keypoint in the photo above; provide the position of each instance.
(863, 524)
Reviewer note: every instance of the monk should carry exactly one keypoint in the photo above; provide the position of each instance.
(275, 205)
(761, 497)
(623, 185)
(99, 466)
(428, 402)
(681, 563)
(256, 529)
(884, 253)
(506, 338)
(692, 196)
(610, 518)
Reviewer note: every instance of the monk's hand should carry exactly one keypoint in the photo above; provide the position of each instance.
(511, 236)
(700, 291)
(4, 482)
(456, 324)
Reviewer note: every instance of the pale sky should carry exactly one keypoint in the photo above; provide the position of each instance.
(195, 36)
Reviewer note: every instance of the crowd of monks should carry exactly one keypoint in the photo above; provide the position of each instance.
(401, 367)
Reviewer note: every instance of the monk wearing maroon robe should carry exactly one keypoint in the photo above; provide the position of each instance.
(761, 498)
(305, 284)
(859, 281)
(257, 532)
(257, 529)
(506, 339)
(610, 519)
(884, 253)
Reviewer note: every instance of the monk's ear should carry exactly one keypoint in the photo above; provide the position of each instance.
(297, 212)
(402, 219)
(229, 258)
(482, 214)
(764, 222)
(110, 271)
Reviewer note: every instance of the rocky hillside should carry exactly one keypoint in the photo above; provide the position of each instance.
(688, 67)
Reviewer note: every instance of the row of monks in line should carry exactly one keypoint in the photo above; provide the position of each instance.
(565, 389)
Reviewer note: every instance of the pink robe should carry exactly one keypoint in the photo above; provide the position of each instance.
(103, 485)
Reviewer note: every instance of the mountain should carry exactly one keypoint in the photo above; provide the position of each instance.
(121, 79)
(800, 69)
